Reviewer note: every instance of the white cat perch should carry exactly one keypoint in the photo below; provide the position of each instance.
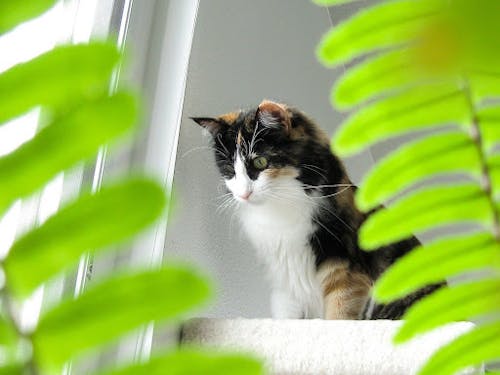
(315, 347)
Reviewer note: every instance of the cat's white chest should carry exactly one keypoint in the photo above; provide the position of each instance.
(280, 231)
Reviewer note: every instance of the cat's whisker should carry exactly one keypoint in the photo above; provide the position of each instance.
(284, 188)
(331, 195)
(326, 186)
(227, 203)
(219, 139)
(231, 219)
(314, 167)
(195, 149)
(223, 209)
(324, 207)
(255, 135)
(315, 170)
(220, 153)
(224, 195)
(282, 198)
(305, 198)
(245, 148)
(200, 148)
(329, 231)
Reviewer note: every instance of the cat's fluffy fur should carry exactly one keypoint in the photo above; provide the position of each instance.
(299, 212)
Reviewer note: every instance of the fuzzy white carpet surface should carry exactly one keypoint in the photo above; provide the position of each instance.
(316, 347)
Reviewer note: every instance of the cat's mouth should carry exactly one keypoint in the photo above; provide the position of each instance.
(245, 196)
(248, 198)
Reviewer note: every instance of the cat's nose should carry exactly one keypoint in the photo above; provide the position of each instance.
(245, 195)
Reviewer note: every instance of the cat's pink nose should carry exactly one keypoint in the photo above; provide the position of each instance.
(245, 195)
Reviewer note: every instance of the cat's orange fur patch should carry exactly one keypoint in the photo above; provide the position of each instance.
(230, 117)
(281, 172)
(345, 292)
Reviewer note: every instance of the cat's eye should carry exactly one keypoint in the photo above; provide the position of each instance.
(260, 162)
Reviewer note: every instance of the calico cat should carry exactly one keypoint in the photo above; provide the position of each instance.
(296, 206)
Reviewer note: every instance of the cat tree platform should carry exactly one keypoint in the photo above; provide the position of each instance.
(316, 347)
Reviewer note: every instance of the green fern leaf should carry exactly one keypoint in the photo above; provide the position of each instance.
(455, 303)
(485, 84)
(374, 77)
(13, 13)
(380, 26)
(489, 122)
(8, 334)
(475, 347)
(12, 369)
(494, 169)
(34, 163)
(57, 78)
(425, 209)
(90, 223)
(185, 361)
(422, 159)
(107, 310)
(421, 107)
(433, 263)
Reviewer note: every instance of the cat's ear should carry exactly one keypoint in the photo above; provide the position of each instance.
(274, 115)
(209, 123)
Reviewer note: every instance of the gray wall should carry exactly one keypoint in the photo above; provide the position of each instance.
(243, 51)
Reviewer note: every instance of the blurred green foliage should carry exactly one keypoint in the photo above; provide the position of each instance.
(190, 362)
(430, 65)
(71, 85)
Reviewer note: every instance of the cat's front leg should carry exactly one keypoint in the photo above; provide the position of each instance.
(284, 306)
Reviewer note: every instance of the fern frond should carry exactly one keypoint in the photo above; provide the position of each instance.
(421, 107)
(457, 303)
(384, 25)
(128, 301)
(36, 162)
(434, 262)
(473, 348)
(417, 161)
(63, 240)
(489, 123)
(373, 78)
(436, 69)
(485, 84)
(14, 12)
(423, 210)
(58, 78)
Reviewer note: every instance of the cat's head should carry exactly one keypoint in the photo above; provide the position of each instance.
(267, 152)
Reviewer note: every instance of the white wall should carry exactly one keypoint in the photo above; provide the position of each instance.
(243, 51)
